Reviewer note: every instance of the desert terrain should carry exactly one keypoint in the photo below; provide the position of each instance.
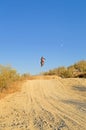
(50, 103)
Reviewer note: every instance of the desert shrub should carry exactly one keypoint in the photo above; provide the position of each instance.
(50, 72)
(61, 71)
(72, 71)
(25, 76)
(7, 76)
(80, 66)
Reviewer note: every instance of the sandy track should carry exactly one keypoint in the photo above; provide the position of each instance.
(55, 104)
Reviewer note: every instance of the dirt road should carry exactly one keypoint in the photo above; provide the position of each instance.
(43, 104)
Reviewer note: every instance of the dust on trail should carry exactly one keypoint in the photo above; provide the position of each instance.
(46, 104)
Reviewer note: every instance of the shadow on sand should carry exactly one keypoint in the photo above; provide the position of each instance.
(77, 103)
(80, 88)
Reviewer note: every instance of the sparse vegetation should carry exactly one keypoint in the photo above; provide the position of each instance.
(76, 70)
(10, 80)
(7, 77)
(25, 76)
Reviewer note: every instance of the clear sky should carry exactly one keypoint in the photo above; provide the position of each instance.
(29, 29)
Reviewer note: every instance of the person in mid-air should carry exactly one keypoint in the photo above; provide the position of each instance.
(42, 61)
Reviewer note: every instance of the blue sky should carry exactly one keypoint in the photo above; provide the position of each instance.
(29, 29)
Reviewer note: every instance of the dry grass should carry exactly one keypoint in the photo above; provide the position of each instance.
(76, 70)
(14, 87)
